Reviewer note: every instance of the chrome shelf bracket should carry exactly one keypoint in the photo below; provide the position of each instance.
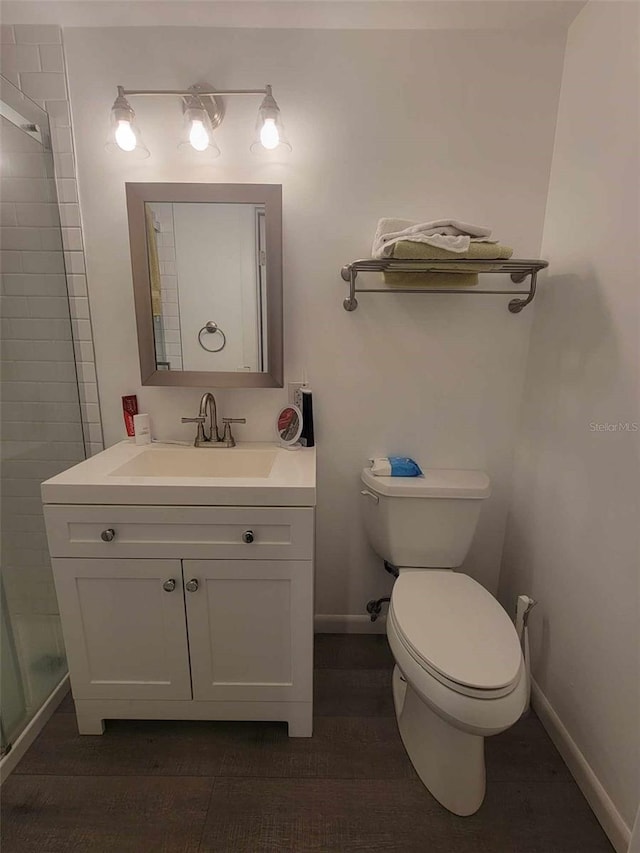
(518, 271)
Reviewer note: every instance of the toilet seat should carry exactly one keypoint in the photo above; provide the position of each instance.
(456, 631)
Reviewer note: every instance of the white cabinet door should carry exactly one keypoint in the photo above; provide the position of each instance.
(124, 631)
(250, 629)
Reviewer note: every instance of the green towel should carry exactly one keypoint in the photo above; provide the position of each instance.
(453, 275)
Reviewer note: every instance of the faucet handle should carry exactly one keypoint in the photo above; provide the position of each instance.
(197, 420)
(227, 437)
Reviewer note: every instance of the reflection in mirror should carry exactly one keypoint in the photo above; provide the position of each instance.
(208, 279)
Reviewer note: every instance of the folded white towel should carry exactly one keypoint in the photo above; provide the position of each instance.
(449, 234)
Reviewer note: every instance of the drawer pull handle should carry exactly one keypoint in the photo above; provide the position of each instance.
(108, 535)
(169, 585)
(192, 585)
(248, 537)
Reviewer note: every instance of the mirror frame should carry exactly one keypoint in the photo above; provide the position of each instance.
(269, 195)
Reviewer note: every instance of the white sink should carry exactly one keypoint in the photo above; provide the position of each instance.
(250, 474)
(199, 462)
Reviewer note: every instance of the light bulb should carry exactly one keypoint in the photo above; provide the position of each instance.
(269, 135)
(125, 137)
(198, 136)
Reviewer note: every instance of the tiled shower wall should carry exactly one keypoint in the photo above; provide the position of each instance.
(32, 58)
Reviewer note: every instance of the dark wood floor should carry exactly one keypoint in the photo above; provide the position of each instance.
(248, 788)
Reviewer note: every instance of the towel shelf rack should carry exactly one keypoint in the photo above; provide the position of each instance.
(518, 270)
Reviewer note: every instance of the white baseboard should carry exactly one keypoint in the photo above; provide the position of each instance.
(33, 729)
(329, 623)
(618, 832)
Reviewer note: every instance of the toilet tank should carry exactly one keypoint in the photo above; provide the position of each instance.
(426, 521)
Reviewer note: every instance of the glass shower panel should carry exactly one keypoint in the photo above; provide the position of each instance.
(40, 423)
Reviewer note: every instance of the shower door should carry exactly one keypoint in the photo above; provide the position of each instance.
(40, 423)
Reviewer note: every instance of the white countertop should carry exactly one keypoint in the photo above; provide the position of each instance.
(291, 481)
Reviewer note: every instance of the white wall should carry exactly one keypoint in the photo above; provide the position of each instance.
(572, 538)
(416, 124)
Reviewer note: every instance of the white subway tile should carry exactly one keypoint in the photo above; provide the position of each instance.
(42, 86)
(28, 189)
(95, 447)
(46, 307)
(77, 285)
(18, 239)
(67, 190)
(41, 431)
(74, 263)
(30, 329)
(23, 164)
(37, 214)
(81, 330)
(171, 323)
(51, 238)
(51, 57)
(84, 353)
(10, 262)
(12, 77)
(21, 284)
(8, 215)
(90, 413)
(72, 239)
(13, 306)
(79, 307)
(20, 488)
(166, 253)
(7, 35)
(39, 371)
(88, 392)
(19, 57)
(86, 371)
(170, 309)
(67, 413)
(93, 432)
(58, 112)
(35, 34)
(43, 262)
(26, 350)
(70, 215)
(64, 165)
(61, 140)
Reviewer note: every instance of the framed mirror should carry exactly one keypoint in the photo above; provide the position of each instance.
(207, 280)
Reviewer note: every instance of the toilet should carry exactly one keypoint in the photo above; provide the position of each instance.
(459, 675)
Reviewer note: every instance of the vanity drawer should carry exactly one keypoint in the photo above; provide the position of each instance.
(247, 533)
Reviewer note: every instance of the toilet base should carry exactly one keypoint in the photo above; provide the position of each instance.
(449, 762)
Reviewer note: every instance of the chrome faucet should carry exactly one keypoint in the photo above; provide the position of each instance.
(204, 435)
(211, 437)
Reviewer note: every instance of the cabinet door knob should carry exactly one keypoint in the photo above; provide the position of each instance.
(248, 536)
(108, 535)
(169, 585)
(192, 585)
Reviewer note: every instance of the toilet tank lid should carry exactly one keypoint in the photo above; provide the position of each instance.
(434, 483)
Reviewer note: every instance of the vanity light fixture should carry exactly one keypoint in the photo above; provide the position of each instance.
(124, 133)
(203, 113)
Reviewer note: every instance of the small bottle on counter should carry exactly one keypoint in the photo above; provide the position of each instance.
(142, 427)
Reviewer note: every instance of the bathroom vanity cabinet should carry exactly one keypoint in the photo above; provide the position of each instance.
(186, 612)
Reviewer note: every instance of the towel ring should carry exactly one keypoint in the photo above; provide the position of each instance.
(212, 328)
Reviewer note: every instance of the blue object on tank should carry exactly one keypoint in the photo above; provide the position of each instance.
(403, 466)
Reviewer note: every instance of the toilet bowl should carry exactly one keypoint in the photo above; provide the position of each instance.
(459, 677)
(459, 674)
